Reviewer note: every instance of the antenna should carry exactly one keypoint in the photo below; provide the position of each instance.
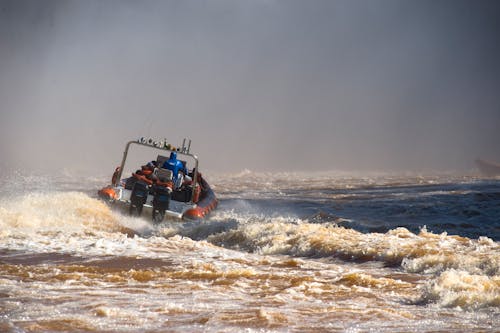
(185, 149)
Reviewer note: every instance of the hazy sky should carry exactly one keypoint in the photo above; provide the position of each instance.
(260, 84)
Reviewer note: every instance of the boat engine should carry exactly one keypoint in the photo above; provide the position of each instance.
(161, 202)
(138, 197)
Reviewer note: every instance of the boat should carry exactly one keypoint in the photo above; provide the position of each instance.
(487, 168)
(165, 187)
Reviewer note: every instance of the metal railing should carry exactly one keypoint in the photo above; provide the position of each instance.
(183, 151)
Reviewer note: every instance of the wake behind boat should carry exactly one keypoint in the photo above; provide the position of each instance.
(162, 187)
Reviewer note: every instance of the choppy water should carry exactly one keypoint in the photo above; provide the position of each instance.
(284, 252)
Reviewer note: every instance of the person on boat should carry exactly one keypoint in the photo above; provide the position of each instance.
(182, 179)
(147, 170)
(176, 167)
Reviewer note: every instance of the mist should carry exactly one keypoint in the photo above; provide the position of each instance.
(261, 85)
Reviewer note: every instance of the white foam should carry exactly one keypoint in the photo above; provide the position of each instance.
(456, 288)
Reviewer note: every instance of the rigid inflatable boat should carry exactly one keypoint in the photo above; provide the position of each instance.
(170, 186)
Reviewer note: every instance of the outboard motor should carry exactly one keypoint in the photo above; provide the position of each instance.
(161, 202)
(138, 197)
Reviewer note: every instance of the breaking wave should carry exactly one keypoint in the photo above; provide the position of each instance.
(57, 210)
(456, 288)
(462, 272)
(447, 270)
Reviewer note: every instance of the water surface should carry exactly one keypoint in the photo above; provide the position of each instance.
(283, 252)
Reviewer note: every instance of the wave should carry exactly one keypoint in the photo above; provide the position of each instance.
(472, 266)
(455, 288)
(461, 272)
(424, 252)
(56, 210)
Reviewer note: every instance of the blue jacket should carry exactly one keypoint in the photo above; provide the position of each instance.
(174, 165)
